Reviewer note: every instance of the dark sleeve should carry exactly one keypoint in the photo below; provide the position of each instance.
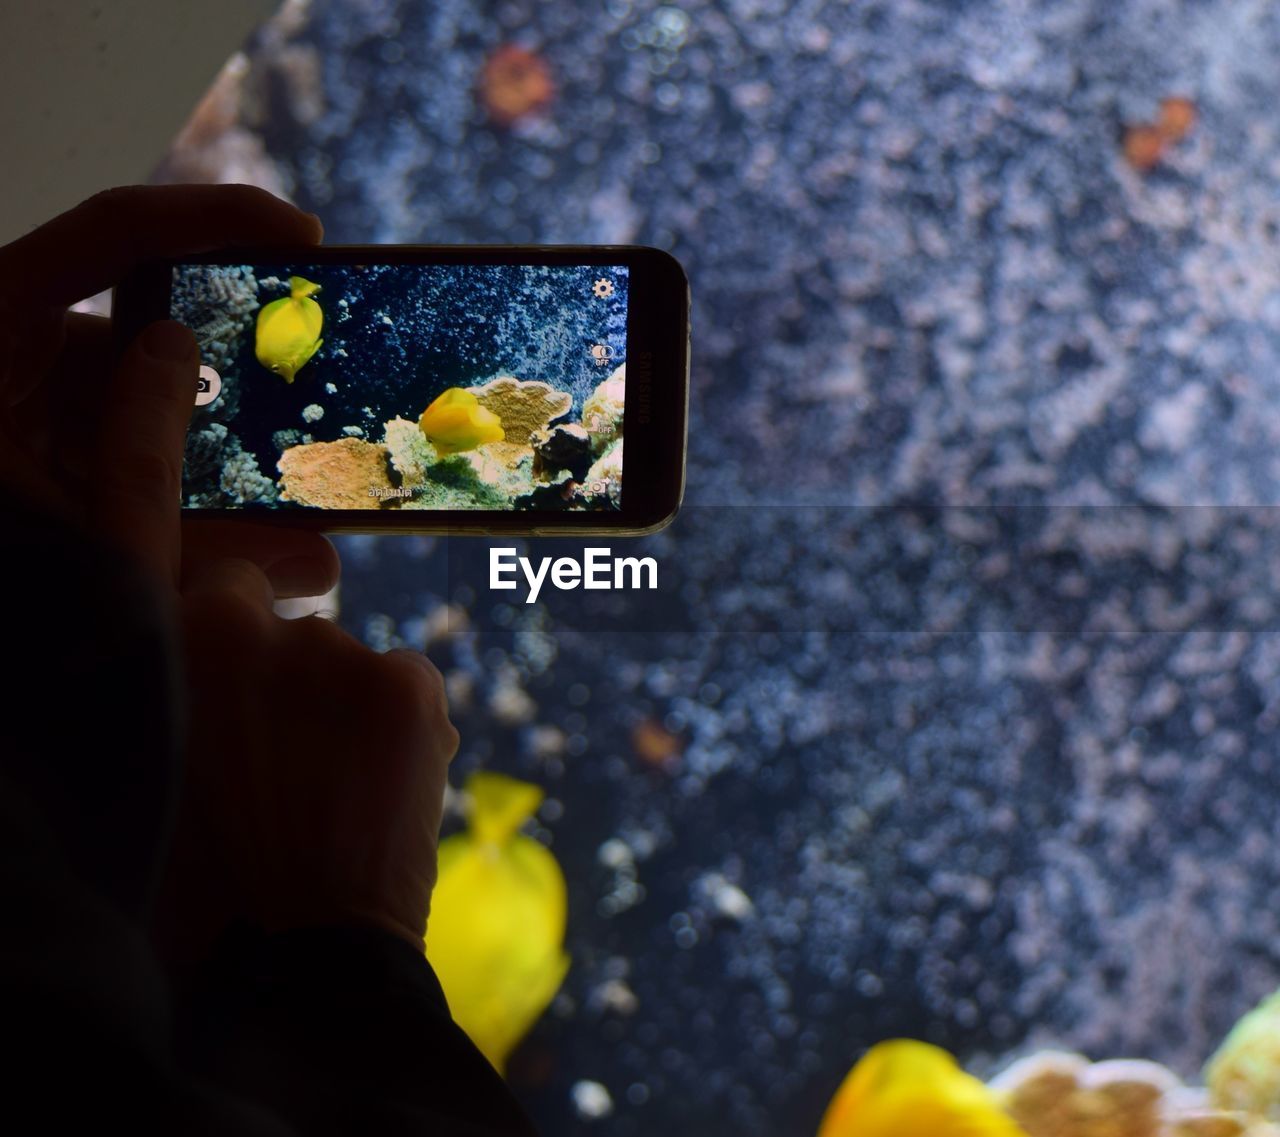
(86, 1006)
(86, 774)
(336, 1031)
(341, 1030)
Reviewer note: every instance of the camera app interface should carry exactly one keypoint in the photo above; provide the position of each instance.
(496, 387)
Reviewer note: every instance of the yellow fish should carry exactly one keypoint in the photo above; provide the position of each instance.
(904, 1088)
(496, 931)
(289, 329)
(456, 421)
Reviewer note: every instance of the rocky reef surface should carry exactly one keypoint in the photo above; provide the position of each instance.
(532, 462)
(956, 714)
(1054, 1094)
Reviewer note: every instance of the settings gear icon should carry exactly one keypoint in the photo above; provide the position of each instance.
(603, 288)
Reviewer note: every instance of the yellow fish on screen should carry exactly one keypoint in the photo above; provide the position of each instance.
(496, 931)
(289, 329)
(456, 421)
(904, 1088)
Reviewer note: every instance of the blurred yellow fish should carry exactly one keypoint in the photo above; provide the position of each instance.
(289, 329)
(903, 1088)
(496, 931)
(456, 421)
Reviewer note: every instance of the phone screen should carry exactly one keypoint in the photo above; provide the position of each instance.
(405, 386)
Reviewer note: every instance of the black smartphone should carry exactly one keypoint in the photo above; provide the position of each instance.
(431, 388)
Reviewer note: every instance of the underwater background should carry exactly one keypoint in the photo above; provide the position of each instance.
(393, 339)
(955, 716)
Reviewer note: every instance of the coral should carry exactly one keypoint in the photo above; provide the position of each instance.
(347, 474)
(601, 487)
(506, 468)
(1145, 143)
(312, 412)
(1054, 1094)
(204, 450)
(566, 494)
(602, 412)
(243, 482)
(523, 406)
(1177, 117)
(564, 447)
(217, 471)
(1244, 1074)
(411, 453)
(221, 141)
(1059, 1095)
(1143, 146)
(452, 483)
(1212, 1124)
(286, 80)
(514, 83)
(296, 74)
(487, 478)
(605, 476)
(214, 146)
(217, 303)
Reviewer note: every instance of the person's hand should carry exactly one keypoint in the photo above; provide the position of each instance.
(316, 771)
(100, 444)
(315, 766)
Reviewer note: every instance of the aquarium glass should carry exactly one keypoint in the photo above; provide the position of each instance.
(956, 715)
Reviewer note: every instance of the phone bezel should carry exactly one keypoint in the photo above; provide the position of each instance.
(655, 414)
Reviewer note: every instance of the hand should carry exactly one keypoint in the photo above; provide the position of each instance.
(100, 444)
(316, 767)
(316, 770)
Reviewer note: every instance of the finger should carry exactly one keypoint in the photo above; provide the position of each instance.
(418, 663)
(73, 397)
(231, 578)
(297, 562)
(60, 420)
(86, 339)
(30, 340)
(144, 424)
(226, 605)
(92, 246)
(227, 624)
(429, 690)
(71, 402)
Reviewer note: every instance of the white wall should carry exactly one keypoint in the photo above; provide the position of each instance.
(92, 91)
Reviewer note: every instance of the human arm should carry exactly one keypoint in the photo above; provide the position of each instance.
(100, 453)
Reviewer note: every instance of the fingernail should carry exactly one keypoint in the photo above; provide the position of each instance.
(169, 342)
(319, 224)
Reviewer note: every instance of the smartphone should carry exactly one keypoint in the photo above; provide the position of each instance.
(431, 388)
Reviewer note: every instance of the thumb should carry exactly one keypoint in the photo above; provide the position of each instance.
(144, 426)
